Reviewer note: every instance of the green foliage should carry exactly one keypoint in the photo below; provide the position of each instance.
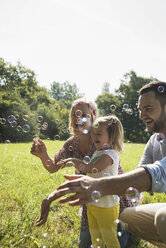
(123, 103)
(65, 92)
(24, 183)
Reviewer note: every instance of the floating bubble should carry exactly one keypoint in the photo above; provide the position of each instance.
(133, 194)
(70, 163)
(65, 129)
(86, 159)
(96, 125)
(44, 234)
(85, 131)
(161, 89)
(13, 124)
(57, 121)
(81, 167)
(119, 227)
(96, 195)
(56, 137)
(112, 107)
(106, 146)
(26, 117)
(125, 106)
(11, 118)
(44, 126)
(26, 128)
(94, 171)
(7, 141)
(85, 184)
(3, 121)
(129, 111)
(106, 174)
(70, 148)
(56, 107)
(40, 118)
(110, 122)
(17, 116)
(78, 113)
(39, 125)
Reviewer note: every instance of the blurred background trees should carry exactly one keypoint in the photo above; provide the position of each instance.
(28, 110)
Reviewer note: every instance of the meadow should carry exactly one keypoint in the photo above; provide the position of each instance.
(24, 183)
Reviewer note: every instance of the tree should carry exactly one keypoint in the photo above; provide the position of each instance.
(65, 92)
(105, 88)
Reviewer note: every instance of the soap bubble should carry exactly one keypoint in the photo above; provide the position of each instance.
(17, 116)
(106, 174)
(70, 148)
(19, 128)
(26, 128)
(125, 106)
(129, 111)
(133, 194)
(11, 118)
(85, 184)
(3, 121)
(161, 89)
(94, 171)
(13, 124)
(26, 117)
(86, 159)
(78, 113)
(96, 195)
(40, 118)
(56, 137)
(85, 131)
(106, 146)
(39, 126)
(70, 163)
(112, 107)
(119, 227)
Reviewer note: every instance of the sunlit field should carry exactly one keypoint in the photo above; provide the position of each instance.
(24, 183)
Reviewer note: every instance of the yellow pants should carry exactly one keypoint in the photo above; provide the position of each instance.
(103, 226)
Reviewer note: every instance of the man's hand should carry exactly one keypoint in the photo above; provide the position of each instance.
(81, 185)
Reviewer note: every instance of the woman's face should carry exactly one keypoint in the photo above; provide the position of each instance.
(81, 119)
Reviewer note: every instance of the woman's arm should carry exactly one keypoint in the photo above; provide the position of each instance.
(39, 150)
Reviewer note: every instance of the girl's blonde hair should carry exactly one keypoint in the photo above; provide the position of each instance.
(92, 106)
(114, 129)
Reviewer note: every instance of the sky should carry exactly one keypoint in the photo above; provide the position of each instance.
(86, 42)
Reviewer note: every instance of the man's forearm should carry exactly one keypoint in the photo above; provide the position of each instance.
(139, 179)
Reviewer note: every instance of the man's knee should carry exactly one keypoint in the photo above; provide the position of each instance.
(160, 223)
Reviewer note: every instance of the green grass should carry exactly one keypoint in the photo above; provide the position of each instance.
(24, 183)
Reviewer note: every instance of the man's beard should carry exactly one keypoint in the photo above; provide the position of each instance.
(160, 124)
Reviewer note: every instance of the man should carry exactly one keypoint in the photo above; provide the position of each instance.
(146, 221)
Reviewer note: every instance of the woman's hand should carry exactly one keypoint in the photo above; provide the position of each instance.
(38, 148)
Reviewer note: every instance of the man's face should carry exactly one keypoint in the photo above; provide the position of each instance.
(151, 112)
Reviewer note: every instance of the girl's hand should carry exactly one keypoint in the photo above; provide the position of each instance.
(44, 212)
(38, 148)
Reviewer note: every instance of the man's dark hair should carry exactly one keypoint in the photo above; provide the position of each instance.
(159, 89)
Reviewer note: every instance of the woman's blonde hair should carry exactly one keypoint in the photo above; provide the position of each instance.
(92, 106)
(114, 129)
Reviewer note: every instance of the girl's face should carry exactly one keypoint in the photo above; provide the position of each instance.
(81, 119)
(100, 136)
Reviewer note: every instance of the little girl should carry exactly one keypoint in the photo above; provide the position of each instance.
(107, 135)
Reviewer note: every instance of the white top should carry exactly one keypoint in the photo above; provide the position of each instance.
(108, 200)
